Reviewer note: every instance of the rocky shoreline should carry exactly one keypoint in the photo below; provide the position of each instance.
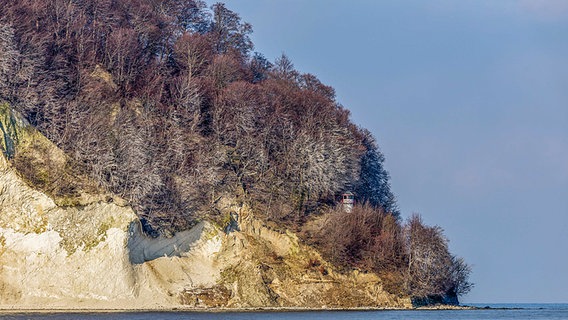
(234, 310)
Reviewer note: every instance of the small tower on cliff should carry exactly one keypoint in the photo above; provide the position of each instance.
(348, 201)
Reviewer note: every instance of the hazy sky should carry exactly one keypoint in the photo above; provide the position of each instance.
(468, 100)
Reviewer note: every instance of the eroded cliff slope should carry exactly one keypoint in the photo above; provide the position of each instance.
(88, 251)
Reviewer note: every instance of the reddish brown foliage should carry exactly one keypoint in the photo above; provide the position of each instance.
(162, 103)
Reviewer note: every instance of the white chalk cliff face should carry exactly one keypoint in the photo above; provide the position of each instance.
(93, 255)
(79, 257)
(89, 255)
(49, 252)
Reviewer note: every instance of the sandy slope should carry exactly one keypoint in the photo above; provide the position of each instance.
(93, 255)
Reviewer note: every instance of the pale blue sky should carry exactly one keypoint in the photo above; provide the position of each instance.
(469, 102)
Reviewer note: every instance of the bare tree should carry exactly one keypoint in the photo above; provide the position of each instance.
(460, 272)
(432, 270)
(229, 31)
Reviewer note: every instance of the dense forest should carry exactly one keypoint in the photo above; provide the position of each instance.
(165, 104)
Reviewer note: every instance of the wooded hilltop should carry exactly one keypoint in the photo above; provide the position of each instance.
(166, 105)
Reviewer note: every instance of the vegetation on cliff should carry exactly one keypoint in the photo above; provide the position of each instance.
(164, 104)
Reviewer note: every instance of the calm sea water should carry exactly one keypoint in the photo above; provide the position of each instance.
(501, 311)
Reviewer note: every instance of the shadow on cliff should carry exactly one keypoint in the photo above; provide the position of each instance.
(144, 248)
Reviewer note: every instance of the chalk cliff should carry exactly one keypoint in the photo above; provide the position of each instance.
(89, 251)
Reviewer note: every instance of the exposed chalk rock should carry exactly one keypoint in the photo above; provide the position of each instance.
(92, 253)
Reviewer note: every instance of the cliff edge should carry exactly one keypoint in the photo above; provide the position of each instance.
(88, 251)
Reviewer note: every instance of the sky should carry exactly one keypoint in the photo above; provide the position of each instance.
(468, 101)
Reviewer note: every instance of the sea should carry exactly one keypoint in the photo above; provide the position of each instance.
(483, 312)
